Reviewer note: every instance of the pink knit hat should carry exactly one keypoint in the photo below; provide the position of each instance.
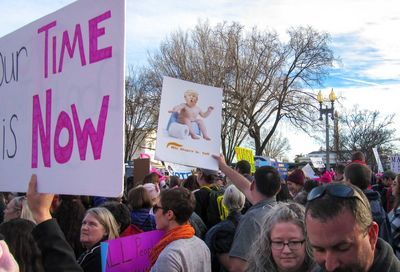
(152, 189)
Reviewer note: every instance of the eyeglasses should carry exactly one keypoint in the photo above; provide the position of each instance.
(156, 208)
(293, 245)
(335, 190)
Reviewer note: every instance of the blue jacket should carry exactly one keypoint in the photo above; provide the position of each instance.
(143, 219)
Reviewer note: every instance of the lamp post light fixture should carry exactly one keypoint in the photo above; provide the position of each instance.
(326, 111)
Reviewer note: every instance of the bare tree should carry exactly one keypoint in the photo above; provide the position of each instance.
(363, 130)
(276, 148)
(262, 77)
(140, 111)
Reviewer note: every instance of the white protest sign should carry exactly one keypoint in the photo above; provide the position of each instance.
(317, 162)
(378, 159)
(308, 171)
(178, 170)
(395, 163)
(62, 101)
(189, 123)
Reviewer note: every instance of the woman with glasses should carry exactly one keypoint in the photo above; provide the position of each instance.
(282, 245)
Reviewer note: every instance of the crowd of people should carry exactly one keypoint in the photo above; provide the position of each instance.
(227, 220)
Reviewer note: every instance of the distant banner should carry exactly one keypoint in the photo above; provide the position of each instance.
(395, 163)
(378, 159)
(129, 253)
(317, 162)
(246, 154)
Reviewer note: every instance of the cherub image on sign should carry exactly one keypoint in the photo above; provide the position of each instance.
(189, 112)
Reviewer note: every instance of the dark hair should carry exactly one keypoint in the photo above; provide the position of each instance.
(120, 212)
(18, 236)
(151, 178)
(268, 181)
(191, 183)
(69, 215)
(358, 156)
(174, 181)
(358, 175)
(179, 200)
(340, 168)
(310, 184)
(328, 207)
(243, 167)
(283, 195)
(209, 178)
(138, 198)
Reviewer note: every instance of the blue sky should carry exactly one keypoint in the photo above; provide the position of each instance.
(364, 37)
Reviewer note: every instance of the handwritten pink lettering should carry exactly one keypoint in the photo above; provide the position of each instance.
(95, 32)
(63, 154)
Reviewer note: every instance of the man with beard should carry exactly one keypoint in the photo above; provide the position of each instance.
(342, 233)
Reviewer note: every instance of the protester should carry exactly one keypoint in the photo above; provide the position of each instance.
(219, 238)
(140, 204)
(284, 194)
(206, 179)
(360, 176)
(301, 197)
(179, 249)
(174, 181)
(394, 217)
(69, 215)
(243, 167)
(191, 183)
(339, 172)
(282, 245)
(98, 226)
(261, 193)
(295, 182)
(17, 233)
(385, 190)
(17, 208)
(153, 191)
(57, 254)
(342, 233)
(122, 216)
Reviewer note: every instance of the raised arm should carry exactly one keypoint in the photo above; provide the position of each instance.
(57, 253)
(240, 181)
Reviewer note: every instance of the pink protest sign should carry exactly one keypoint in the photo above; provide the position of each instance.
(131, 253)
(62, 82)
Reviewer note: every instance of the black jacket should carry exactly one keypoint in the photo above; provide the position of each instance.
(90, 260)
(385, 260)
(57, 253)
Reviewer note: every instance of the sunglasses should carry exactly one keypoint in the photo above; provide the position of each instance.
(335, 190)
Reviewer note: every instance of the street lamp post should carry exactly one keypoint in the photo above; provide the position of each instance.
(326, 111)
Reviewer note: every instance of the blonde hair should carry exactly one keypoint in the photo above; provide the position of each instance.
(107, 220)
(191, 92)
(21, 205)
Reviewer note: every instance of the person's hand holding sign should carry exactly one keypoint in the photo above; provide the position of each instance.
(39, 203)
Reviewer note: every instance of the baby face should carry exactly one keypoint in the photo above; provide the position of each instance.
(191, 99)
